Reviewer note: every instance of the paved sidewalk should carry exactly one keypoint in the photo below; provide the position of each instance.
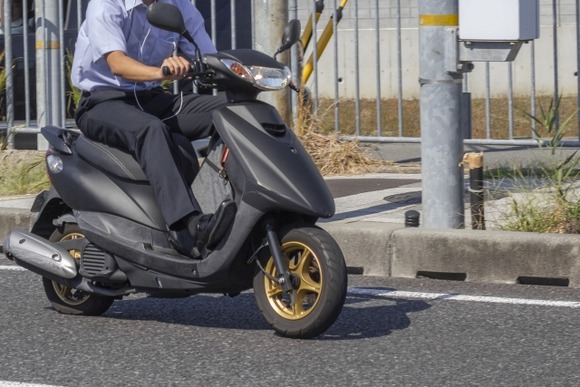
(369, 227)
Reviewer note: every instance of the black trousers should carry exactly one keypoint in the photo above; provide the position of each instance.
(142, 124)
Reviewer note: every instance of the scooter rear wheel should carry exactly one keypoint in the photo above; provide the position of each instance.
(319, 280)
(72, 301)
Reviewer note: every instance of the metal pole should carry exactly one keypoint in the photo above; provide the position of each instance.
(511, 99)
(8, 58)
(233, 24)
(314, 88)
(578, 61)
(272, 17)
(48, 67)
(26, 57)
(213, 18)
(61, 69)
(295, 65)
(441, 139)
(378, 68)
(533, 91)
(487, 101)
(556, 73)
(357, 70)
(336, 70)
(399, 70)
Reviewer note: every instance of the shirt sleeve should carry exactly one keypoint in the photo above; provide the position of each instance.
(104, 26)
(196, 27)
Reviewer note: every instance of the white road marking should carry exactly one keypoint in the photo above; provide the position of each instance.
(462, 297)
(14, 268)
(424, 296)
(18, 384)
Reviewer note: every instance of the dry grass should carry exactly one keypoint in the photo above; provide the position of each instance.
(332, 155)
(335, 156)
(499, 117)
(338, 157)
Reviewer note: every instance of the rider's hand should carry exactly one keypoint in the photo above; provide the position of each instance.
(178, 68)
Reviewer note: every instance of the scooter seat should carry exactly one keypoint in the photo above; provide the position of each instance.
(124, 165)
(110, 159)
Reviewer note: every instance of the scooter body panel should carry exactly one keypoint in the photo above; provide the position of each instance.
(278, 172)
(84, 187)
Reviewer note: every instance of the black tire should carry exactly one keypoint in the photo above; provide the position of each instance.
(316, 261)
(71, 301)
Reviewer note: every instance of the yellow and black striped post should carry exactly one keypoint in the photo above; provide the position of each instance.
(307, 34)
(322, 42)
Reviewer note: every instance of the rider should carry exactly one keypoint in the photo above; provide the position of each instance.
(118, 64)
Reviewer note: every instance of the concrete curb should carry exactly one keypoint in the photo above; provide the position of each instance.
(390, 250)
(386, 249)
(11, 218)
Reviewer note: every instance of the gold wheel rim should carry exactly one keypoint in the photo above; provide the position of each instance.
(304, 267)
(68, 295)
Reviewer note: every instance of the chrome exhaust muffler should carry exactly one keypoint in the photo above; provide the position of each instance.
(40, 256)
(53, 262)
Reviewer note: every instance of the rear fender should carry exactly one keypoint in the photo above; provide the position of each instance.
(52, 213)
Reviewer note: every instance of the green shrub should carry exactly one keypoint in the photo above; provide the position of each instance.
(556, 209)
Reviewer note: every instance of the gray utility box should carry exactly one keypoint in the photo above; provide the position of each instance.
(499, 20)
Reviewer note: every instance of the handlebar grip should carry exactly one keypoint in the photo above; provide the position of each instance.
(165, 70)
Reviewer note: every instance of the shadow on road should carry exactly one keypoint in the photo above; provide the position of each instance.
(367, 316)
(363, 316)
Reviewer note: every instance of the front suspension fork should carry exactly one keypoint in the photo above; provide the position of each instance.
(283, 277)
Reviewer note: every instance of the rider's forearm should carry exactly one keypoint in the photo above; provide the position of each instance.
(128, 68)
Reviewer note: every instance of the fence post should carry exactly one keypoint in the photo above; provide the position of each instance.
(476, 190)
(578, 62)
(271, 17)
(48, 66)
(8, 58)
(441, 137)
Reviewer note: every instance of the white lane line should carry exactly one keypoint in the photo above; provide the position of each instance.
(429, 296)
(14, 268)
(462, 297)
(18, 384)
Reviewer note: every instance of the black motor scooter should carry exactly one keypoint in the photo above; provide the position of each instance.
(99, 234)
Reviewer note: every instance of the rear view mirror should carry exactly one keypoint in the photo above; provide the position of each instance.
(167, 17)
(290, 36)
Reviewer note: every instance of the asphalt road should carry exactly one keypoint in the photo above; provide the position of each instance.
(392, 332)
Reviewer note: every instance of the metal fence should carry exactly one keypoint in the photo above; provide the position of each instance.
(364, 83)
(373, 59)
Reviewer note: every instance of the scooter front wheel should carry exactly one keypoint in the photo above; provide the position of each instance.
(319, 283)
(72, 301)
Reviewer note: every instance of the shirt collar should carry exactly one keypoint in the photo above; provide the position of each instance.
(130, 4)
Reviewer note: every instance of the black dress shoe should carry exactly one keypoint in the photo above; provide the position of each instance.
(209, 229)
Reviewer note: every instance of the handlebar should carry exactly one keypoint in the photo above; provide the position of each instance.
(200, 75)
(192, 70)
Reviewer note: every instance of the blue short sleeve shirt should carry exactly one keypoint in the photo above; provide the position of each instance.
(121, 25)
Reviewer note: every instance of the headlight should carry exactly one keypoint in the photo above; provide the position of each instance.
(264, 78)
